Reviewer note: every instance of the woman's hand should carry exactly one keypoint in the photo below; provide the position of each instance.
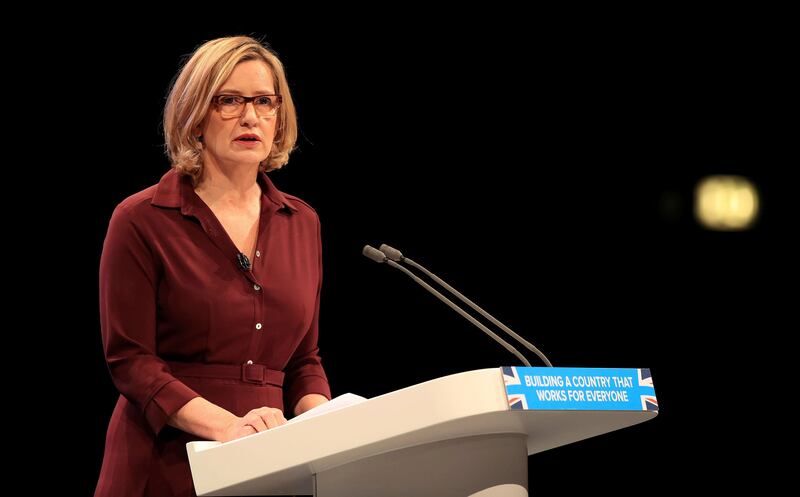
(261, 419)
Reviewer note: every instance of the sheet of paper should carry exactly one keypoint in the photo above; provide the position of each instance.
(336, 403)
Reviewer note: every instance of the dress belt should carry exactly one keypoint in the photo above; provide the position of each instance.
(248, 373)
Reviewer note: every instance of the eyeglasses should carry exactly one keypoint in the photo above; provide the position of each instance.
(234, 105)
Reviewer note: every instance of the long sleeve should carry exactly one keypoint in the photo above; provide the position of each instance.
(304, 372)
(128, 285)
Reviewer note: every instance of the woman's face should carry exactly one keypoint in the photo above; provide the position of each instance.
(221, 132)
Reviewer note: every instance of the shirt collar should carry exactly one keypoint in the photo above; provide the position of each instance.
(176, 191)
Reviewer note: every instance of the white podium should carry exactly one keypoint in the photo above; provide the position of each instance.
(452, 436)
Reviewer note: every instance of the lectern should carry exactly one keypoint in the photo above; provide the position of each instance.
(466, 434)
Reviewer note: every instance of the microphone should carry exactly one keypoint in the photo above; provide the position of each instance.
(395, 255)
(243, 261)
(378, 256)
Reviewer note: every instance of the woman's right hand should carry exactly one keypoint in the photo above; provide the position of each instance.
(261, 419)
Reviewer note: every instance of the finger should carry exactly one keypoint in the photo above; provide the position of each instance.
(245, 431)
(279, 416)
(256, 422)
(239, 432)
(272, 417)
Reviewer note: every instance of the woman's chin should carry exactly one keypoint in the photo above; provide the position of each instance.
(248, 156)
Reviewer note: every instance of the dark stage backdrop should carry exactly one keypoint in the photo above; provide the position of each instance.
(545, 168)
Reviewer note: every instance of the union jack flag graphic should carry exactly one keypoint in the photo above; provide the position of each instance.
(510, 376)
(517, 402)
(649, 402)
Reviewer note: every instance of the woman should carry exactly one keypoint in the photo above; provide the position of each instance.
(210, 280)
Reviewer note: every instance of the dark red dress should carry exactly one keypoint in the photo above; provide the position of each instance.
(180, 318)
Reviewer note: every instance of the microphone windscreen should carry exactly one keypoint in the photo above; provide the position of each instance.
(374, 254)
(392, 253)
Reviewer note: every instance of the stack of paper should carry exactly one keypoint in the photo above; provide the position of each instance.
(336, 403)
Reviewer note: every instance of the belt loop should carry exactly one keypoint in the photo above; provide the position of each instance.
(254, 373)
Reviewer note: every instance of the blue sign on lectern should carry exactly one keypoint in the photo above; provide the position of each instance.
(580, 389)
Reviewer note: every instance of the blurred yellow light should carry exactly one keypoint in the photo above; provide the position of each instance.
(726, 203)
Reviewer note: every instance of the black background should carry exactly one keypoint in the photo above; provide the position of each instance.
(542, 164)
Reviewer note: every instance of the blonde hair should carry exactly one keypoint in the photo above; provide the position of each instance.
(190, 98)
